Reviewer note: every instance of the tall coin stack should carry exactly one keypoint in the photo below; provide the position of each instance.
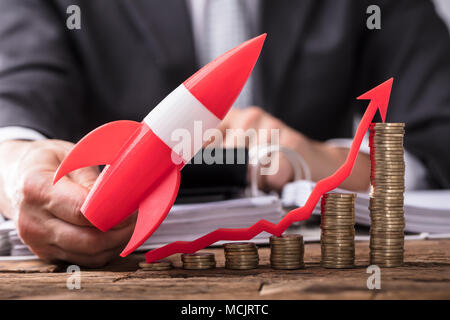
(241, 255)
(337, 238)
(386, 199)
(198, 261)
(286, 252)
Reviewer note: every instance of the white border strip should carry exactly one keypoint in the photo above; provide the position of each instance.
(180, 110)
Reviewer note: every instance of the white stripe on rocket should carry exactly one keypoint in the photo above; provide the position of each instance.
(180, 110)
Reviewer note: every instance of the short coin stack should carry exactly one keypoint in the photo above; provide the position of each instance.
(198, 261)
(241, 255)
(337, 238)
(286, 252)
(159, 265)
(386, 199)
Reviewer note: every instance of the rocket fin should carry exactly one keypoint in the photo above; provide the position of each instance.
(154, 209)
(98, 147)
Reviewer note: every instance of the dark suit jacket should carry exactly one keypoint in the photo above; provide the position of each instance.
(319, 56)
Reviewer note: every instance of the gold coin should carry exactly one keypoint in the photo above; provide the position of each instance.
(388, 214)
(327, 242)
(338, 256)
(338, 250)
(339, 195)
(387, 242)
(293, 247)
(197, 256)
(241, 264)
(196, 266)
(334, 266)
(241, 252)
(387, 250)
(338, 219)
(239, 245)
(380, 193)
(380, 132)
(343, 222)
(287, 238)
(295, 265)
(156, 265)
(242, 258)
(374, 139)
(199, 263)
(297, 251)
(287, 266)
(387, 236)
(389, 165)
(389, 200)
(386, 124)
(344, 200)
(387, 219)
(337, 237)
(334, 261)
(387, 176)
(286, 261)
(381, 202)
(239, 267)
(387, 150)
(386, 256)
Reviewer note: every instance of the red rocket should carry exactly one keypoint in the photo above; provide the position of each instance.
(142, 170)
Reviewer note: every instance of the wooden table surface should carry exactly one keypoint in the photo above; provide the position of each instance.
(426, 274)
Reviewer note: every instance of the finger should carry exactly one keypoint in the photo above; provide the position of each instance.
(65, 201)
(85, 177)
(32, 225)
(88, 240)
(229, 119)
(242, 129)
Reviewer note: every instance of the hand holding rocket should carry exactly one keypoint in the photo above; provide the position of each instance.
(140, 172)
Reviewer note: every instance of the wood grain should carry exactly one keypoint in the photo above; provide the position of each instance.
(426, 275)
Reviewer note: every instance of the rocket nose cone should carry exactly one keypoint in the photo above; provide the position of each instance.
(218, 84)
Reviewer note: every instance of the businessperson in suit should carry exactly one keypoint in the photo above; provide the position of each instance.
(58, 83)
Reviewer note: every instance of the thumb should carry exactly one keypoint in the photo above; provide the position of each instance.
(85, 176)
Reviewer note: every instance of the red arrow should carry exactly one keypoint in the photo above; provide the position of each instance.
(379, 99)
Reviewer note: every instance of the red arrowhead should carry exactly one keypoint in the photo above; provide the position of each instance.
(379, 96)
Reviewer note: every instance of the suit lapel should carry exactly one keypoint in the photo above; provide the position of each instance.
(165, 28)
(284, 21)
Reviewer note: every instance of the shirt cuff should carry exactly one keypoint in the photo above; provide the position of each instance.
(415, 171)
(19, 133)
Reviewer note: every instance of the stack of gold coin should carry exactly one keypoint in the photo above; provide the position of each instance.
(337, 237)
(159, 265)
(286, 252)
(241, 255)
(198, 261)
(386, 197)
